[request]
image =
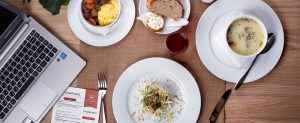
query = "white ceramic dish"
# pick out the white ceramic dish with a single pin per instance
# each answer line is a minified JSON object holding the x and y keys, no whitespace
{"x":167,"y":30}
{"x":98,"y":29}
{"x":158,"y":66}
{"x":117,"y":31}
{"x":244,"y":15}
{"x":264,"y":64}
{"x":218,"y":41}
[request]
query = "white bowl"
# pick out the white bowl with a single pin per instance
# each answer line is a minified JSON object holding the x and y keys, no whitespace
{"x":103,"y":30}
{"x":262,"y":26}
{"x":218,"y":38}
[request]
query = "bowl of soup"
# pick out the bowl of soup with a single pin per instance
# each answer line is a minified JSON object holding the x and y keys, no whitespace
{"x":246,"y":36}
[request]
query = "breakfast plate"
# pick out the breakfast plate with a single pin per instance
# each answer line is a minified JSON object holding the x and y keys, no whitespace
{"x":170,"y":78}
{"x":117,"y":31}
{"x":167,"y":30}
{"x":265,"y":63}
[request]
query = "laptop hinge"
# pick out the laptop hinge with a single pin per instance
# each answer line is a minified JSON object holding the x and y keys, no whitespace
{"x":13,"y":40}
{"x":27,"y":19}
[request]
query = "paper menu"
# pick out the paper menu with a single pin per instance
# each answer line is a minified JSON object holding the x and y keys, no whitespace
{"x":77,"y":106}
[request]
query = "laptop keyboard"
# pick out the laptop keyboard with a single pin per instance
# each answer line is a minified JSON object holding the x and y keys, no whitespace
{"x":25,"y":65}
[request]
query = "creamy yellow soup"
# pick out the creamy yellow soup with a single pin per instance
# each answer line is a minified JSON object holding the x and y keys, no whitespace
{"x":245,"y":36}
{"x":108,"y":12}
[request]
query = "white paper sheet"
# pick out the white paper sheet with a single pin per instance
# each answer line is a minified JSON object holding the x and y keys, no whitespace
{"x":77,"y":106}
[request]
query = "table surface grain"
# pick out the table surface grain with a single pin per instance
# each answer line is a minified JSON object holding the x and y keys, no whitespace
{"x":274,"y":98}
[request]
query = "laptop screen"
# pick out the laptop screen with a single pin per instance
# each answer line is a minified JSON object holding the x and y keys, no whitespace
{"x":7,"y":17}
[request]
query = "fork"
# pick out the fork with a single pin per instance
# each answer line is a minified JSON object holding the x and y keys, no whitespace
{"x":102,"y":85}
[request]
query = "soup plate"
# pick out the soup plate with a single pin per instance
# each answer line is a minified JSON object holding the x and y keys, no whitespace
{"x":218,"y":38}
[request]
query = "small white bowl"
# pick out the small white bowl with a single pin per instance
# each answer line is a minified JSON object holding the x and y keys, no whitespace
{"x":262,"y":26}
{"x":218,"y":38}
{"x":103,"y":30}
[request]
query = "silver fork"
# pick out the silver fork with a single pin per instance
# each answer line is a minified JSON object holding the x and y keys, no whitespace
{"x":102,"y":85}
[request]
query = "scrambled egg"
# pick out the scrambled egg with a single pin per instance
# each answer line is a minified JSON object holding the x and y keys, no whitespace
{"x":108,"y":12}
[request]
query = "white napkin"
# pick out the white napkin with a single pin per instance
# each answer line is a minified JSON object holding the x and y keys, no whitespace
{"x":240,"y":62}
{"x":228,"y":57}
{"x":169,"y":22}
{"x":208,"y":1}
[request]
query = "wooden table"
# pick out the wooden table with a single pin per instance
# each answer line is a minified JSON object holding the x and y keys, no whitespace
{"x":274,"y":98}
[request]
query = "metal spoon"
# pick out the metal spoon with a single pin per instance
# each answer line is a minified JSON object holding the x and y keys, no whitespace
{"x":221,"y":103}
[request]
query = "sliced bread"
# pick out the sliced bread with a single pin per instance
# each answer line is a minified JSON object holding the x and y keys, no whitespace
{"x":154,"y":22}
{"x":169,"y":8}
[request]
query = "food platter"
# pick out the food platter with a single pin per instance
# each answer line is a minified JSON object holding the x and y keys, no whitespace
{"x":161,"y":70}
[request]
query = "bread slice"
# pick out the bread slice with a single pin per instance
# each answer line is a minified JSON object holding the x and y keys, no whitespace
{"x":169,"y":8}
{"x":154,"y":22}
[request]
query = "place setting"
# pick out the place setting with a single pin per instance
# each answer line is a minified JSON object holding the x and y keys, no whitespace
{"x":222,"y":59}
{"x":235,"y":44}
{"x":164,"y":91}
{"x":238,"y":44}
{"x":237,"y":41}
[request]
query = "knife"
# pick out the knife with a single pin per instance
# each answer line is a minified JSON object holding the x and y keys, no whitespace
{"x":221,"y":103}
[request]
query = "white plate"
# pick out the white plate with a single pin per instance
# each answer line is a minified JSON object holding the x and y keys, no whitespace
{"x":265,"y":63}
{"x":122,"y":94}
{"x":167,"y":30}
{"x":122,"y":26}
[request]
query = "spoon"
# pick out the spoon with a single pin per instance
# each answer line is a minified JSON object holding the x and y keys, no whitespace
{"x":221,"y":103}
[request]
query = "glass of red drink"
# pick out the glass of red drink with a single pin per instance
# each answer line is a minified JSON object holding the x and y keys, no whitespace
{"x":177,"y":43}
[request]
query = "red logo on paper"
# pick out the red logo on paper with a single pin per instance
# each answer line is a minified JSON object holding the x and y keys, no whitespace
{"x":88,"y":118}
{"x":69,"y":99}
{"x":91,"y":98}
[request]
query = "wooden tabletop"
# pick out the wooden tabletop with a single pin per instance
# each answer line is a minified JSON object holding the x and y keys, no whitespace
{"x":274,"y":98}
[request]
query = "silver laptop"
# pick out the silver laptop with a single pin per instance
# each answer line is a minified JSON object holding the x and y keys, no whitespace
{"x":35,"y":67}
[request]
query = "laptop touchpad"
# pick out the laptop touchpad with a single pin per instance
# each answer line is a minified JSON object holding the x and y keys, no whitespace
{"x":37,"y":100}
